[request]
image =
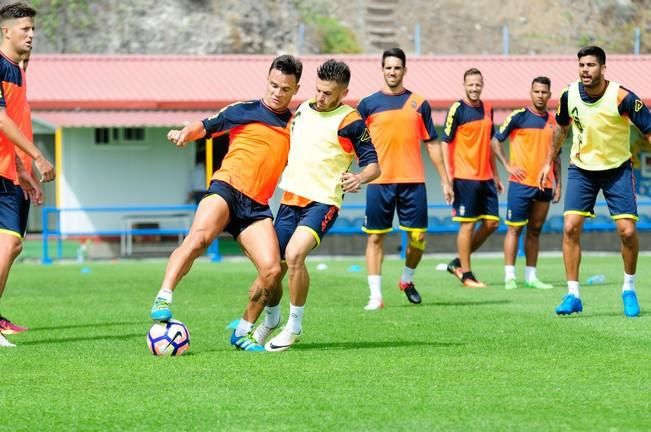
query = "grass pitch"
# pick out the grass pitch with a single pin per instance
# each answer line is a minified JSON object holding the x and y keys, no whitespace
{"x":463,"y":360}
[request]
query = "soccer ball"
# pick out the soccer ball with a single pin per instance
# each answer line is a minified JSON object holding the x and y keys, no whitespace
{"x":170,"y":338}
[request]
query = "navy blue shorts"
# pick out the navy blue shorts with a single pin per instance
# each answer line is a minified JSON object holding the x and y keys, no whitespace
{"x":382,"y":200}
{"x":617,"y":184}
{"x":244,"y":211}
{"x":316,"y":217}
{"x":9,"y":209}
{"x":520,"y":199}
{"x":23,"y":209}
{"x":474,"y":200}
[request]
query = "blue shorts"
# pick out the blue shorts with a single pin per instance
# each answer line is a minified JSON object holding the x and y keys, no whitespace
{"x":474,"y":200}
{"x":316,"y":217}
{"x":244,"y":211}
{"x":618,"y":187}
{"x":520,"y":199}
{"x":382,"y":200}
{"x":23,"y":209}
{"x":9,"y":209}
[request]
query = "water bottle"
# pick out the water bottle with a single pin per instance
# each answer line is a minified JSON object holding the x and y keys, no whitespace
{"x":596,"y":279}
{"x":81,"y":253}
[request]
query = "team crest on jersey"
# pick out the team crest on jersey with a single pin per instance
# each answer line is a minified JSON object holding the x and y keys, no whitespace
{"x":414,"y":104}
{"x":575,"y":117}
{"x":638,"y":105}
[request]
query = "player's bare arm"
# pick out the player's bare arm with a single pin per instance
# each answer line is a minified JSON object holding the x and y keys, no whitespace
{"x":560,"y":133}
{"x":557,"y":175}
{"x":517,"y":172}
{"x":444,"y":153}
{"x":189,"y":133}
{"x":435,"y":152}
{"x":11,"y":130}
{"x":496,"y":175}
{"x":352,"y":182}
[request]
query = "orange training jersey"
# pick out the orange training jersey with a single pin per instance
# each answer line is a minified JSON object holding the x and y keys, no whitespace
{"x":12,"y":100}
{"x":530,"y":137}
{"x":257,"y":150}
{"x":398,"y":124}
{"x":468,"y":132}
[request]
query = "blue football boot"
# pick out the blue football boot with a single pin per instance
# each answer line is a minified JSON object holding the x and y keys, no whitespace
{"x":570,"y":304}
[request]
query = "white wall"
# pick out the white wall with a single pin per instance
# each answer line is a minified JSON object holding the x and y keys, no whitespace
{"x":153,"y":172}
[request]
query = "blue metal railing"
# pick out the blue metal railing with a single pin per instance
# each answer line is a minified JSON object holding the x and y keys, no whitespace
{"x":344,"y":225}
{"x":213,"y":250}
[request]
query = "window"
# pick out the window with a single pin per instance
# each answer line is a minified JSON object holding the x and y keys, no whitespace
{"x":134,"y":134}
{"x":102,"y":136}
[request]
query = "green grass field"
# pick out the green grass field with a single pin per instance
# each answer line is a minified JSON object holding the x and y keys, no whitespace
{"x":465,"y":359}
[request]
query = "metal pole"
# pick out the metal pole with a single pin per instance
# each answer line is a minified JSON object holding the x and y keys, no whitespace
{"x":301,"y":38}
{"x":417,"y":48}
{"x":505,"y":39}
{"x":45,"y":259}
{"x":636,"y":41}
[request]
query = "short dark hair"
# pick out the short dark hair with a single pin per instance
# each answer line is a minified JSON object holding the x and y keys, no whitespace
{"x":595,"y":51}
{"x":288,"y":65}
{"x":542,"y":80}
{"x":333,"y":70}
{"x":395,"y":52}
{"x":472,"y":71}
{"x":16,"y":10}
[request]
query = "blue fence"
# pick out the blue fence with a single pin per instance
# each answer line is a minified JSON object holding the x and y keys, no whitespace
{"x":350,"y":221}
{"x":125,"y":225}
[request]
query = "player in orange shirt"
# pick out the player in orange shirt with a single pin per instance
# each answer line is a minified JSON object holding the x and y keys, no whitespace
{"x":399,"y":121}
{"x":17,"y":25}
{"x":471,"y":164}
{"x":529,"y":131}
{"x":237,"y":200}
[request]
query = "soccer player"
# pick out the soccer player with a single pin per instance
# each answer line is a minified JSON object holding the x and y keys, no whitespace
{"x":600,"y":112}
{"x":470,"y":162}
{"x":398,"y":121}
{"x":326,"y":136}
{"x":529,"y":131}
{"x":17,"y":25}
{"x":237,"y":200}
{"x":31,"y":190}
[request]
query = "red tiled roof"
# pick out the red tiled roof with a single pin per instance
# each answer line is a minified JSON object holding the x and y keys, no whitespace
{"x":120,"y":118}
{"x":206,"y":83}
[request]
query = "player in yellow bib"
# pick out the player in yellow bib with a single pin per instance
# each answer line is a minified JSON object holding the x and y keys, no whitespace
{"x":600,"y":112}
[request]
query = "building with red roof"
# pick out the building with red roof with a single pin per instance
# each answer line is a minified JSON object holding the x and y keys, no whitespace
{"x":111,"y":113}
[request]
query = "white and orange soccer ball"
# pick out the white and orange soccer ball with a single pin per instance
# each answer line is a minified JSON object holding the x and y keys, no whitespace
{"x":170,"y":338}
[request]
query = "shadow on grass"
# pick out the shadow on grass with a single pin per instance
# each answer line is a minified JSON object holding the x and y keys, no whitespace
{"x":610,"y":314}
{"x":82,"y":339}
{"x":74,"y":326}
{"x":338,"y":346}
{"x":369,"y":345}
{"x":458,"y":303}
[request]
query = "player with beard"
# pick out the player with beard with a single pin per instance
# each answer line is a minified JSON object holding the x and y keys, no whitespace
{"x":600,"y":112}
{"x":399,"y":121}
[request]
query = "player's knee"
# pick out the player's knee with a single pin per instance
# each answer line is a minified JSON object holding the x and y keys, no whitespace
{"x":16,"y":249}
{"x":375,"y":240}
{"x":197,"y":241}
{"x":627,"y":233}
{"x":491,"y":224}
{"x":417,"y":240}
{"x":271,"y":274}
{"x":294,"y":258}
{"x":570,"y":229}
{"x":534,"y":231}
